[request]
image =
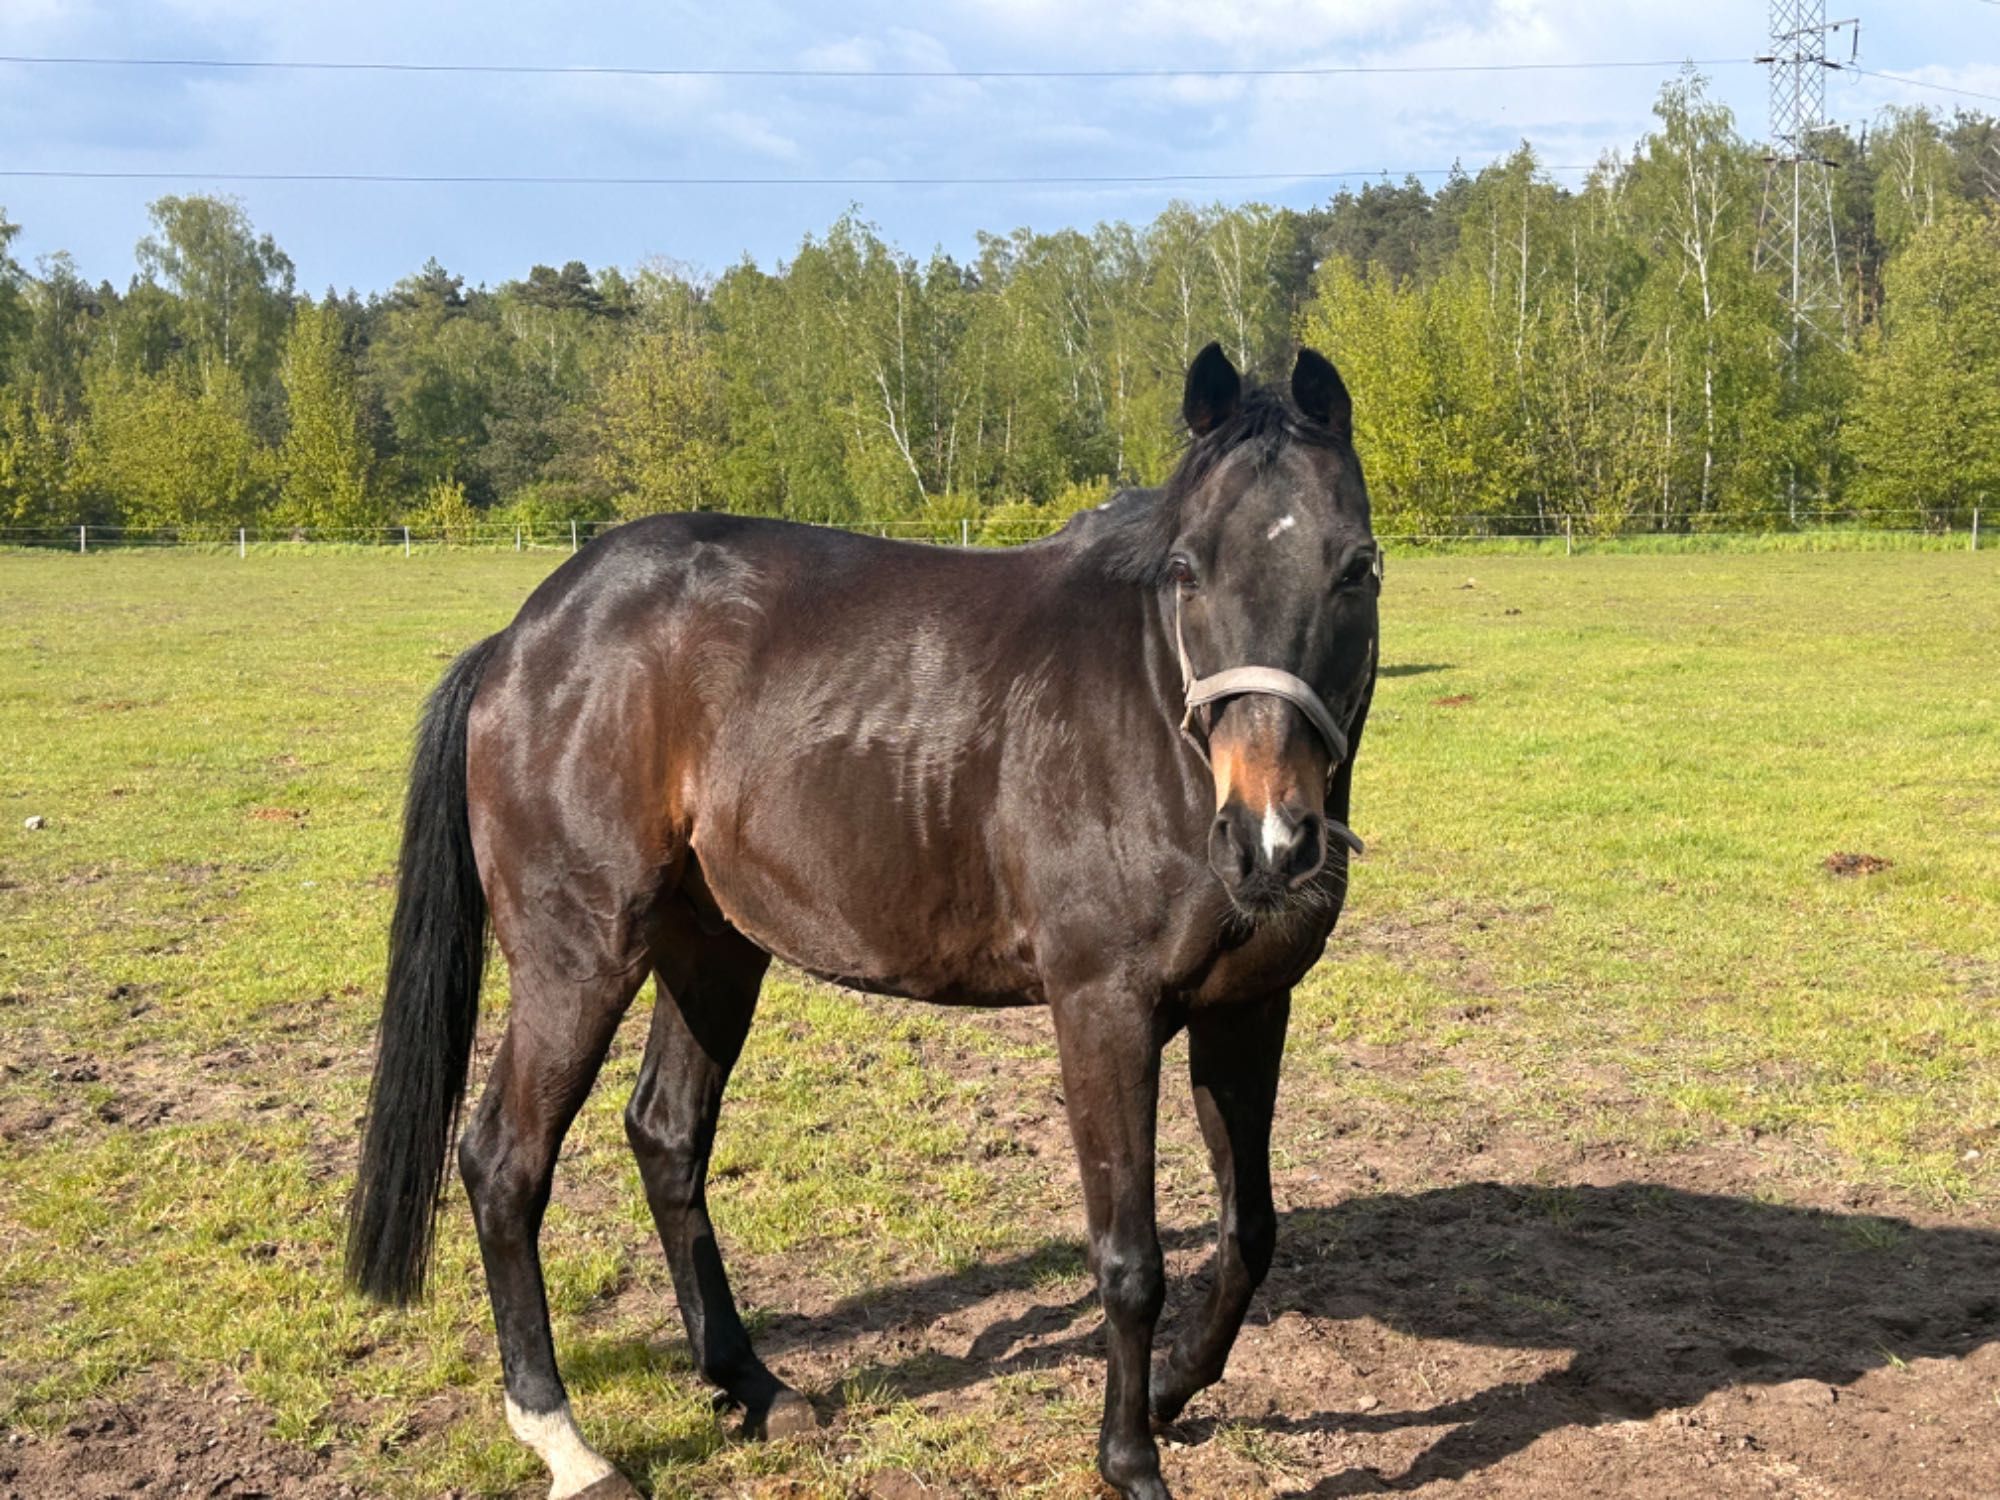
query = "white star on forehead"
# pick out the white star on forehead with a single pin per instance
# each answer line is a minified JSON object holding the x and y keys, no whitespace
{"x":1282,"y":524}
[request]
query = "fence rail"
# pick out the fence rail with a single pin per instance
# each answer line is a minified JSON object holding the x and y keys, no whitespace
{"x":1942,"y":526}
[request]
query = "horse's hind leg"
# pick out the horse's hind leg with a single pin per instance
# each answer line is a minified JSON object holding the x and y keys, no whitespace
{"x":1233,"y":1058}
{"x":708,"y":993}
{"x":557,"y":1034}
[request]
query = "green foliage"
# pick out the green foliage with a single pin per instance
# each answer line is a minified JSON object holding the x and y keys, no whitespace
{"x":13,"y":306}
{"x":445,"y":513}
{"x":544,"y":512}
{"x":40,"y":483}
{"x":175,"y":450}
{"x":1922,"y":436}
{"x":50,"y":355}
{"x":1431,"y":414}
{"x":660,"y":418}
{"x":1916,"y":179}
{"x":1078,"y":495}
{"x":323,"y":462}
{"x":949,"y":517}
{"x":1015,"y":521}
{"x":434,"y":362}
{"x":1711,"y":324}
{"x":232,"y":286}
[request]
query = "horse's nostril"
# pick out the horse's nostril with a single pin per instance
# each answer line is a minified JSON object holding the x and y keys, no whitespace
{"x":1231,"y":850}
{"x":1306,"y":854}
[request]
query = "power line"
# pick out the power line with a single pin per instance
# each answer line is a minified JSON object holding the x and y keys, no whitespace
{"x":1919,"y":83}
{"x":586,"y":70}
{"x":568,"y":180}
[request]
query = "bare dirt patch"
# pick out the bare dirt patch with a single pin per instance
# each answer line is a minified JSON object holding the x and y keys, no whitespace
{"x":48,"y":1087}
{"x":166,"y":1441}
{"x":1845,"y":863}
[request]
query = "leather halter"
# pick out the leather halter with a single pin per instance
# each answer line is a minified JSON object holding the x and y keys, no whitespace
{"x":1273,"y":682}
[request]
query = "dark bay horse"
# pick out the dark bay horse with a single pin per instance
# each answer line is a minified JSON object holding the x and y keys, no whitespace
{"x":1107,"y":773}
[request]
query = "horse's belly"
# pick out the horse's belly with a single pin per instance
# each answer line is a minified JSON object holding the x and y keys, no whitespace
{"x":891,"y":943}
{"x":840,"y":870}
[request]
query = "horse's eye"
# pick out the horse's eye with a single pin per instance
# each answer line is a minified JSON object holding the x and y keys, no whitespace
{"x":1181,"y":571}
{"x":1360,"y":568}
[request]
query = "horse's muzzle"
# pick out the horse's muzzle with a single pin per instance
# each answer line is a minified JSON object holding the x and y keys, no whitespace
{"x":1264,"y":858}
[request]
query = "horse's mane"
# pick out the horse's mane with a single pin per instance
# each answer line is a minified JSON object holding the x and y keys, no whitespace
{"x":1130,"y":534}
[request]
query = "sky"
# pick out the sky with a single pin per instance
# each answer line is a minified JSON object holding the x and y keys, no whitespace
{"x":369,"y":235}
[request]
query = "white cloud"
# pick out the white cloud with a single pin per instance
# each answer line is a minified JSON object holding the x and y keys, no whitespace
{"x":858,"y":54}
{"x":756,"y":134}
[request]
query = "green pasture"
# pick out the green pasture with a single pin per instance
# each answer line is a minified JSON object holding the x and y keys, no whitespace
{"x":1600,"y":793}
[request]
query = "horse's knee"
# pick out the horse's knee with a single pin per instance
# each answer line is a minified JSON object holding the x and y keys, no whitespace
{"x":1132,"y":1283}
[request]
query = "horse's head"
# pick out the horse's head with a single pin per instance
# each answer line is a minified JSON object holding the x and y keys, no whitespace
{"x":1272,"y":566}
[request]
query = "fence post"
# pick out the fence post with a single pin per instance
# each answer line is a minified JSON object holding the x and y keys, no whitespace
{"x":406,"y":541}
{"x":1569,"y":536}
{"x":517,"y":539}
{"x":82,"y":542}
{"x":572,"y":538}
{"x":242,"y":542}
{"x":964,"y":533}
{"x":1975,"y":528}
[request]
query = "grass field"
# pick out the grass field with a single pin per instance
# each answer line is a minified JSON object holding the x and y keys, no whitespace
{"x":1596,"y":940}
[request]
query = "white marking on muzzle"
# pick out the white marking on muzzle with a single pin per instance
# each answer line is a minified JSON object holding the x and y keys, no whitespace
{"x":1282,"y":524}
{"x":1276,"y":834}
{"x":574,"y":1466}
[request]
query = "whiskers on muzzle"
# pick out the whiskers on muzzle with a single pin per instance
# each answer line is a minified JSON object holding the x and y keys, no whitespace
{"x":1281,"y":867}
{"x":1269,"y":898}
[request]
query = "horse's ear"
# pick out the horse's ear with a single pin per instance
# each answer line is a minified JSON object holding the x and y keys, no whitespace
{"x":1213,"y":391}
{"x":1321,"y":394}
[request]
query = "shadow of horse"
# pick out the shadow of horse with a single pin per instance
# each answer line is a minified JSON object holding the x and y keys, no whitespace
{"x":1663,"y":1297}
{"x":1414,"y":668}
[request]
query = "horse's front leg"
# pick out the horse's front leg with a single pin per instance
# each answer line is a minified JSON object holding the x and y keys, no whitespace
{"x":1233,"y":1056}
{"x":1110,"y":1044}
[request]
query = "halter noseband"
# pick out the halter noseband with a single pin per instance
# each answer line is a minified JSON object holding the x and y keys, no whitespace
{"x":1273,"y":682}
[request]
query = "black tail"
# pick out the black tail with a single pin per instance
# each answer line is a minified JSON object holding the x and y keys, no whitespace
{"x":437,"y":951}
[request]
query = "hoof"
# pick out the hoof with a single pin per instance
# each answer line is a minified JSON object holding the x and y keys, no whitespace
{"x":611,"y":1487}
{"x":788,"y":1415}
{"x":1136,"y":1478}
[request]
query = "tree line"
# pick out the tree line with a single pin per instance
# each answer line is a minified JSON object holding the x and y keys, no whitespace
{"x":1522,"y":354}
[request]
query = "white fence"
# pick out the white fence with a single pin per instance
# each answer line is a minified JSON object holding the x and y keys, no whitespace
{"x":1938,"y":528}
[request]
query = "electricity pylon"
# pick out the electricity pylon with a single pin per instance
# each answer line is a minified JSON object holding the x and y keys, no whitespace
{"x":1796,"y":235}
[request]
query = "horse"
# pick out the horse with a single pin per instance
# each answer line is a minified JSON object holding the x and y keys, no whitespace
{"x":1108,"y":773}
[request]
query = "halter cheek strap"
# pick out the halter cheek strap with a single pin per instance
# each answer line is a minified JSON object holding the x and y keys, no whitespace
{"x":1273,"y":682}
